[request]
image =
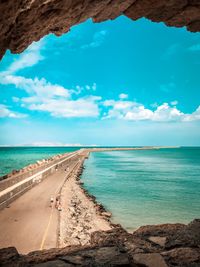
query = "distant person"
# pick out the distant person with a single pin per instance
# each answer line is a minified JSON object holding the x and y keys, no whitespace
{"x":59,"y":207}
{"x":57,"y":202}
{"x":51,"y":201}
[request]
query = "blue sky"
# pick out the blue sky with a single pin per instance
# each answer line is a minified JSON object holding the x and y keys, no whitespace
{"x":115,"y":83}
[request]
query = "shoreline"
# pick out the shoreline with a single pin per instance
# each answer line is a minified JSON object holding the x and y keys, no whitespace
{"x":82,"y":214}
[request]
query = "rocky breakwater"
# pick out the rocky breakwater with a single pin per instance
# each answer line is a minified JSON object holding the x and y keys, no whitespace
{"x":168,"y":245}
{"x":81,"y":215}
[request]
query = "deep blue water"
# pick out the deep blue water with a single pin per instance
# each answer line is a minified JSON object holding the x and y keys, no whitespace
{"x":147,"y":186}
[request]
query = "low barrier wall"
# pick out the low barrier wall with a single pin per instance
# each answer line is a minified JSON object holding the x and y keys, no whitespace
{"x":19,"y":177}
{"x":14,"y":191}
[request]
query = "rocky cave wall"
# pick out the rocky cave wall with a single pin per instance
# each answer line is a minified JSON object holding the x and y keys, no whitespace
{"x":25,"y":21}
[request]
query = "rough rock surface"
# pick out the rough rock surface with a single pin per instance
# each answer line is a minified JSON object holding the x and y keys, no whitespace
{"x":81,"y":215}
{"x":116,"y":247}
{"x":25,"y":21}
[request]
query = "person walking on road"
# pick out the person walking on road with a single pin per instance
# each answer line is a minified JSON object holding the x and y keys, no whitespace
{"x":57,"y":201}
{"x":51,"y":201}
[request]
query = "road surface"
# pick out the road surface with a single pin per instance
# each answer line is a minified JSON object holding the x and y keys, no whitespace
{"x":29,"y":223}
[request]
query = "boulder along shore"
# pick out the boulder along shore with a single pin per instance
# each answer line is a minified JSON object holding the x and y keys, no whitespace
{"x":81,"y":215}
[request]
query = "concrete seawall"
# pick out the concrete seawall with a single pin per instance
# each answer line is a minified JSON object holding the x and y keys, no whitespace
{"x":17,"y":186}
{"x":26,"y":172}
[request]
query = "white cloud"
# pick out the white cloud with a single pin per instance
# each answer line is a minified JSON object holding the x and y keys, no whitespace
{"x":97,"y":40}
{"x":92,"y":87}
{"x":27,"y":59}
{"x":59,"y":101}
{"x":166,"y":113}
{"x":50,"y":144}
{"x":39,"y":87}
{"x":133,"y":111}
{"x":123,"y":96}
{"x":45,"y":96}
{"x":53,"y":98}
{"x":5,"y":112}
{"x":138,"y":113}
{"x":154,"y":105}
{"x":83,"y":107}
{"x":194,"y":116}
{"x":174,"y":103}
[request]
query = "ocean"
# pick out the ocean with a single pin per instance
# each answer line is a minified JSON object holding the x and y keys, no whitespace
{"x":145,"y":187}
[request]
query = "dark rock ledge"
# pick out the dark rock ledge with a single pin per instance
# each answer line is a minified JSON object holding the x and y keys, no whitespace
{"x":172,"y":245}
{"x":25,"y":21}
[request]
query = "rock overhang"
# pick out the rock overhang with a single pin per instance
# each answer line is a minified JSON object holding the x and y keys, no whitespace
{"x":25,"y":21}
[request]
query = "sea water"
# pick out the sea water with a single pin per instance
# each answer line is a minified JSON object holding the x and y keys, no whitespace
{"x":19,"y":157}
{"x":144,"y":187}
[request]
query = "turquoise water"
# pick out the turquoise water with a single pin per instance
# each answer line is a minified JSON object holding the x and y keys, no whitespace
{"x":19,"y":157}
{"x":147,"y":186}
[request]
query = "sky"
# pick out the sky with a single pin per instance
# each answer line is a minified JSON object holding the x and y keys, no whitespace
{"x":118,"y":82}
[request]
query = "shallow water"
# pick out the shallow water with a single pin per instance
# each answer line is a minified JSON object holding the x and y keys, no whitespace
{"x":147,"y":186}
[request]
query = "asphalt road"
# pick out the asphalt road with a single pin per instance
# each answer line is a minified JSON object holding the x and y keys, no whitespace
{"x":29,"y":223}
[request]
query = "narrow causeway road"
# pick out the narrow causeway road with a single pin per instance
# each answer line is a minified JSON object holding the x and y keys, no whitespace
{"x":29,"y":223}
